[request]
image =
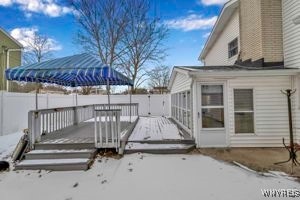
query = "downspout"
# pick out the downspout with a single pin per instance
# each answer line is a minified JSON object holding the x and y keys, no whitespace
{"x":7,"y":62}
{"x":3,"y":64}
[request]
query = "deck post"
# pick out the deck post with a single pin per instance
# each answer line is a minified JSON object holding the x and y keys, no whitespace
{"x":76,"y":117}
{"x":30,"y":129}
{"x":37,"y":126}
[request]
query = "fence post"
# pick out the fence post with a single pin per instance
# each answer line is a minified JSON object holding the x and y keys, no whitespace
{"x":118,"y":124}
{"x":47,"y":100}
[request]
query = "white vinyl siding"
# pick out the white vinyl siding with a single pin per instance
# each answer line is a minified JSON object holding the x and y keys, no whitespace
{"x":291,"y":33}
{"x":181,"y":83}
{"x":270,"y":111}
{"x":218,"y":54}
{"x":296,"y":108}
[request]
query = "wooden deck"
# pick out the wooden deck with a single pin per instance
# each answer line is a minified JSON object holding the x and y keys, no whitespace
{"x":73,"y":148}
{"x":158,"y":135}
{"x":82,"y":133}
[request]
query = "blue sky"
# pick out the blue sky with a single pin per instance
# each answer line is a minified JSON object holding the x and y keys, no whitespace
{"x":189,"y":21}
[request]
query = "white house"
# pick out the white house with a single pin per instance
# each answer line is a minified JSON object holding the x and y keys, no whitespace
{"x":235,"y":99}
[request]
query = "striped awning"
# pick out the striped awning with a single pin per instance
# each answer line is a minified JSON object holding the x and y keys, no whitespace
{"x":77,"y":70}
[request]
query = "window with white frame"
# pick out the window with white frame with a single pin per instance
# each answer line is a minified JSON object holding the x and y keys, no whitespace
{"x":243,"y":111}
{"x":212,"y":106}
{"x":233,"y":48}
{"x":181,"y":107}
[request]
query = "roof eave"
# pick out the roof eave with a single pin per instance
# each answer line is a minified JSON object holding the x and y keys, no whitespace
{"x":173,"y":75}
{"x":244,"y":73}
{"x":12,"y":38}
{"x":219,"y":22}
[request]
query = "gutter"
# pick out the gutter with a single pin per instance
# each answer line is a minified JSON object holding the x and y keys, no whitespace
{"x":244,"y":73}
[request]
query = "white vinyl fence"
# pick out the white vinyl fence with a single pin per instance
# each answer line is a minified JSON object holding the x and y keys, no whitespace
{"x":14,"y":107}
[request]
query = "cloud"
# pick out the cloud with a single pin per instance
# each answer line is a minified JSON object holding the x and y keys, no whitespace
{"x":205,"y":35}
{"x":5,"y":2}
{"x":213,"y":2}
{"x":25,"y":37}
{"x":47,"y":7}
{"x":191,"y":22}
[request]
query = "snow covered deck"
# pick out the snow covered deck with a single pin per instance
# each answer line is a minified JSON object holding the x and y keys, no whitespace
{"x":158,"y":135}
{"x":155,"y":129}
{"x":82,"y":133}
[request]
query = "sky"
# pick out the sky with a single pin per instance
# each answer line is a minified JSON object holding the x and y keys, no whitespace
{"x":189,"y":22}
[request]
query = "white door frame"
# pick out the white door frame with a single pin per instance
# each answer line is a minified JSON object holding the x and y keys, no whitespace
{"x":201,"y":130}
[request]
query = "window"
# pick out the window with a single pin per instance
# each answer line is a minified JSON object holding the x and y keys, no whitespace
{"x":212,"y":106}
{"x":243,"y":111}
{"x":181,"y":108}
{"x":233,"y":48}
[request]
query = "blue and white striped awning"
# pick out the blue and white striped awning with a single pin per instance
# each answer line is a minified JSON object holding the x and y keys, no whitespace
{"x":78,"y":70}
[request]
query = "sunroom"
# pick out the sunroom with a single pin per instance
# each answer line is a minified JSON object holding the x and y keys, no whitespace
{"x":233,"y":106}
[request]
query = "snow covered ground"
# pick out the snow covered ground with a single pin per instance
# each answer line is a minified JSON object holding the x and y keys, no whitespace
{"x":142,"y":176}
{"x":8,"y":144}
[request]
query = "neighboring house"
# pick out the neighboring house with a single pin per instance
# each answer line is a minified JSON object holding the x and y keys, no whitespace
{"x":235,"y":99}
{"x":10,"y":56}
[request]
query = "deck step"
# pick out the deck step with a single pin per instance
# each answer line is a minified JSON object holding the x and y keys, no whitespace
{"x":60,"y":154}
{"x":54,"y":164}
{"x":167,"y":141}
{"x":61,"y":146}
{"x":158,"y":148}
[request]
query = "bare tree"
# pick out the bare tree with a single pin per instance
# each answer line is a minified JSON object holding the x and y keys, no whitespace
{"x":38,"y":48}
{"x":143,"y":40}
{"x":102,"y":25}
{"x":86,"y":90}
{"x":159,"y":76}
{"x":121,"y":33}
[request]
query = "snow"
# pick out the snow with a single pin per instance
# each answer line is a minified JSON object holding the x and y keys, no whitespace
{"x":53,"y":161}
{"x":140,"y":176}
{"x":8,"y":144}
{"x":60,"y":151}
{"x":134,"y":145}
{"x":122,"y":119}
{"x":154,"y":128}
{"x":143,"y":176}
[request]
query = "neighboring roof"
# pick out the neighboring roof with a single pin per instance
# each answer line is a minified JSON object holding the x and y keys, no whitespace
{"x":225,"y":15}
{"x":78,"y":70}
{"x":230,"y":71}
{"x":12,"y":38}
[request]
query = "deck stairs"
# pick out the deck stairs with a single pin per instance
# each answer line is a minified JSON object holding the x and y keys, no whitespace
{"x":58,"y":157}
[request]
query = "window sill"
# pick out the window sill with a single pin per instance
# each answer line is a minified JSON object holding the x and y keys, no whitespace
{"x":213,"y":129}
{"x":245,"y":134}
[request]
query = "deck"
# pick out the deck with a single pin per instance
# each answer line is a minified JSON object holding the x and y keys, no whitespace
{"x":158,"y":135}
{"x":69,"y":138}
{"x":81,"y":133}
{"x":155,"y":133}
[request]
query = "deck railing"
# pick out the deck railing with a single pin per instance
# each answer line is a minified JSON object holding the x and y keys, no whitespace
{"x":47,"y":121}
{"x":108,"y":128}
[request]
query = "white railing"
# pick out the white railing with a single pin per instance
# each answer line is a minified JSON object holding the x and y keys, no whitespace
{"x":126,"y":109}
{"x":47,"y":121}
{"x":107,"y":128}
